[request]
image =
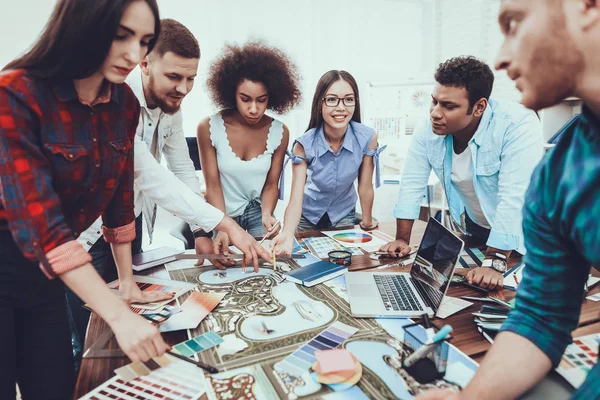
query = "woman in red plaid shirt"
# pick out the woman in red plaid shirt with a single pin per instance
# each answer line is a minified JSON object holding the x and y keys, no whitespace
{"x":67,"y":125}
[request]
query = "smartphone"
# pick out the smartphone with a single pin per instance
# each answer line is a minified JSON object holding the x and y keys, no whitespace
{"x":475,"y":287}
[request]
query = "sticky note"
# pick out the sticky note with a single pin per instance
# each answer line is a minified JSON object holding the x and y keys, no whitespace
{"x":334,"y":360}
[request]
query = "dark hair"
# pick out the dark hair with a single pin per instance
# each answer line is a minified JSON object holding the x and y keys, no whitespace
{"x":316,"y":118}
{"x":257,"y":62}
{"x":77,"y":39}
{"x":175,"y":37}
{"x":467,"y":72}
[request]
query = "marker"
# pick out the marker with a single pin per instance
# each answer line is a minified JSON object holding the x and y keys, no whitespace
{"x":424,"y":350}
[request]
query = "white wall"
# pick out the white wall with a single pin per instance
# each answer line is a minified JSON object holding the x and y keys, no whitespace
{"x":377,"y":40}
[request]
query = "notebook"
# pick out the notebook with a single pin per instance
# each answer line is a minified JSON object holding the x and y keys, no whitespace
{"x":315,"y":273}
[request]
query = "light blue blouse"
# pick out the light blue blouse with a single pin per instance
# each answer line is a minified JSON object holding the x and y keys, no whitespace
{"x":330,"y":176}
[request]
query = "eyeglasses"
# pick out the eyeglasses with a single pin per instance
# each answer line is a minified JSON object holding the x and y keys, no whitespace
{"x":332,"y":101}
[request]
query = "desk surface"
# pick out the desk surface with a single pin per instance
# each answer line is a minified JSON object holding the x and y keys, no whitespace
{"x":93,"y":372}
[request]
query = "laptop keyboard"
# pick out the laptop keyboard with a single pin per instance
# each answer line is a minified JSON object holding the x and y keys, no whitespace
{"x":396,"y":293}
{"x":432,"y":296}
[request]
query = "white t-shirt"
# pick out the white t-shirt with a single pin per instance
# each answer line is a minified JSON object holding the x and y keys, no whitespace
{"x":462,"y":179}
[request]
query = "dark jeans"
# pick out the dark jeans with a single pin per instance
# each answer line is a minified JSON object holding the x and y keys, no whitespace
{"x":478,"y":232}
{"x":103,"y":261}
{"x":35,"y":347}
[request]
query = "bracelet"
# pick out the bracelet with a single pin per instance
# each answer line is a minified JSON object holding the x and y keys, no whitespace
{"x":340,"y":257}
{"x":202,"y":233}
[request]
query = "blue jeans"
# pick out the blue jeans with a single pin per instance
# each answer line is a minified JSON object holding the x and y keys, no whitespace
{"x":103,"y":261}
{"x":251,"y":219}
{"x":35,"y":350}
{"x":325,"y":223}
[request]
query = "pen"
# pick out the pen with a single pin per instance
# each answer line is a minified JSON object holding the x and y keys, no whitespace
{"x":516,"y":280}
{"x":207,"y":368}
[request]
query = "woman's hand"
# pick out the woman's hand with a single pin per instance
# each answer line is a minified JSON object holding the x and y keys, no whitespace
{"x":271,"y":225}
{"x":138,"y":339}
{"x":283,"y":244}
{"x":131,"y":293}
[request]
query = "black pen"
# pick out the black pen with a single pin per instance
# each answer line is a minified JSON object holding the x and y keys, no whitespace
{"x":207,"y":368}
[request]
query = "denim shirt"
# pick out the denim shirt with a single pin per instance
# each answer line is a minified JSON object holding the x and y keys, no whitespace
{"x":505,"y":149}
{"x":330,"y":176}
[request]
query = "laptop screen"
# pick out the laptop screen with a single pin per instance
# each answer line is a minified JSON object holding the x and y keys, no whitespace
{"x":435,"y":261}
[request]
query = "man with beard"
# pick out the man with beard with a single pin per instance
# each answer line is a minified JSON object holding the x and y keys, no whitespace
{"x":163,"y":79}
{"x":551,"y":49}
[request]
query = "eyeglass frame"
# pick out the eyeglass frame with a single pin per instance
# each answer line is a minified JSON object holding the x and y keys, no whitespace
{"x":342,"y":99}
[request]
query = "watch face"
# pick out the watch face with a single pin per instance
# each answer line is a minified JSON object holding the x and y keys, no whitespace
{"x":499,"y":265}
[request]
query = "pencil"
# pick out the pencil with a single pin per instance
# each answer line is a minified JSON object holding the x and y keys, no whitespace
{"x":516,"y":280}
{"x":267,"y":234}
{"x":207,"y":368}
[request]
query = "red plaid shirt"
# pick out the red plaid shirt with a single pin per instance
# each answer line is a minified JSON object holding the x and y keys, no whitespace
{"x":63,"y":163}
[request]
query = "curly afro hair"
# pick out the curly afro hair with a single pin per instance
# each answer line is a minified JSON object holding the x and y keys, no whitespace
{"x":257,"y":62}
{"x":470,"y":73}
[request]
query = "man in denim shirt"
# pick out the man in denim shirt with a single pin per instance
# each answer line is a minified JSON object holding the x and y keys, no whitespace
{"x":483,"y":152}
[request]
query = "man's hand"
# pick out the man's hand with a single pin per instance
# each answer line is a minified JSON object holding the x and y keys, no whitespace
{"x":205,"y":245}
{"x":368,"y":225}
{"x":396,"y":249}
{"x":243,"y":241}
{"x":139,"y":340}
{"x":131,"y":293}
{"x":271,"y":226}
{"x":486,"y":277}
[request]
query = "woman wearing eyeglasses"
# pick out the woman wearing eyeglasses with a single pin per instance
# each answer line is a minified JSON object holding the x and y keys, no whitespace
{"x":241,"y":148}
{"x":335,"y":150}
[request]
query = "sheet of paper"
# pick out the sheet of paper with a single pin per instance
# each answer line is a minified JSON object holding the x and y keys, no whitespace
{"x":334,"y":360}
{"x":450,"y":306}
{"x":459,"y":374}
{"x":594,"y":297}
{"x":193,"y":310}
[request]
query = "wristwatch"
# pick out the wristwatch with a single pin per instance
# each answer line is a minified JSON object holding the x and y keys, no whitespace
{"x":498,"y":263}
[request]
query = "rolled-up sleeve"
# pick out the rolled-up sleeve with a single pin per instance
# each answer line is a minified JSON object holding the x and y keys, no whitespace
{"x":549,"y":297}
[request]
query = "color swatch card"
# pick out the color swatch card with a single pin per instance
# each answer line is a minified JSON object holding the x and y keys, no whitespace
{"x":148,"y":284}
{"x":199,"y":343}
{"x":354,"y":238}
{"x":302,"y":359}
{"x":579,"y":358}
{"x":193,"y":310}
{"x":179,"y":380}
{"x":136,"y":369}
{"x":321,"y":246}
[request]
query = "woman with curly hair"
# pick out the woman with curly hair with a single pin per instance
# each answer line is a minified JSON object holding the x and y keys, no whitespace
{"x":241,"y":148}
{"x":335,"y":150}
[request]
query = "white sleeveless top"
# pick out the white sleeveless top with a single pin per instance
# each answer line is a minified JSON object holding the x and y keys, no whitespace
{"x":242,"y":181}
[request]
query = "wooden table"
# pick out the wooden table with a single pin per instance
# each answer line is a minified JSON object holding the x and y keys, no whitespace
{"x":467,"y":338}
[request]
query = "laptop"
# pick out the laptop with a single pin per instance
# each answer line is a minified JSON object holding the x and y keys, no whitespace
{"x":403,"y":294}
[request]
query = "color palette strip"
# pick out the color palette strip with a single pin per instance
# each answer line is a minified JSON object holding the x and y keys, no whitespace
{"x":163,"y":315}
{"x":198,"y":344}
{"x":193,"y":310}
{"x":179,"y":380}
{"x":131,"y":371}
{"x":302,"y":359}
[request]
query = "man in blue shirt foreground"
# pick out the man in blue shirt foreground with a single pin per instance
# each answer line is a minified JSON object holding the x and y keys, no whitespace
{"x":483,"y":151}
{"x":551,"y":49}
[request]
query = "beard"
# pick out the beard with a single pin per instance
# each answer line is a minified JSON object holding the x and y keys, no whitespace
{"x":161,"y":102}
